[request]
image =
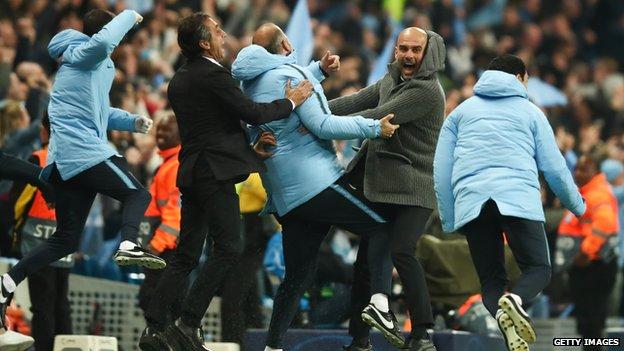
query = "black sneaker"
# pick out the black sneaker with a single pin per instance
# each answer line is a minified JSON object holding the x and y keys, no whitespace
{"x":153,"y":340}
{"x":511,"y":305}
{"x":353,"y":347}
{"x":187,"y":338}
{"x":419,"y":344}
{"x":386,"y":323}
{"x":139,"y":257}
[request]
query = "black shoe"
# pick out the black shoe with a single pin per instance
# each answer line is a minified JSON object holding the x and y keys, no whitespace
{"x":139,"y":257}
{"x":386,"y":323}
{"x":353,"y":347}
{"x":187,"y":338}
{"x":420,"y":345}
{"x":152,"y":340}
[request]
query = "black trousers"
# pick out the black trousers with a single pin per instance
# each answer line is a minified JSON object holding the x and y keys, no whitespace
{"x":304,"y":229}
{"x":48,"y":289}
{"x":152,"y":276}
{"x":590,"y":288}
{"x":528,"y":243}
{"x":74,"y":198}
{"x":208,"y":203}
{"x":407,"y":224}
{"x":240,"y":299}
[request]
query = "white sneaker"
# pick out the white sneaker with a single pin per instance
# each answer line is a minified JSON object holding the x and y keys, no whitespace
{"x":512,"y":305}
{"x":512,"y":340}
{"x":14,"y":341}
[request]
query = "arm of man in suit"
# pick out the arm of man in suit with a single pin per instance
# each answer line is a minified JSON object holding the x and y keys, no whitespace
{"x":443,"y":170}
{"x":102,"y":43}
{"x":231,"y":98}
{"x":362,"y":100}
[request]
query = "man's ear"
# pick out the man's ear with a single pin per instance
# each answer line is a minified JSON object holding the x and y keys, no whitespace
{"x":204,"y":44}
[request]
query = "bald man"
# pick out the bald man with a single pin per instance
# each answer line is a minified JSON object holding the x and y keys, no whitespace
{"x":397,"y":175}
{"x":306,"y":190}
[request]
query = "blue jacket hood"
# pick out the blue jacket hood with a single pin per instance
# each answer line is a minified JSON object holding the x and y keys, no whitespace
{"x":63,"y":40}
{"x":498,"y":84}
{"x":254,"y":60}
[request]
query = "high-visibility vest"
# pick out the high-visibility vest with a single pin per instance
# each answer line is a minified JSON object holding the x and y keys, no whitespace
{"x":595,"y":233}
{"x":39,"y":222}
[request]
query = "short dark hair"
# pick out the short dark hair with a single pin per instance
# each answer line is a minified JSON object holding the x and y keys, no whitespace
{"x":95,"y":20}
{"x":508,"y":63}
{"x":191,"y":30}
{"x":45,"y":121}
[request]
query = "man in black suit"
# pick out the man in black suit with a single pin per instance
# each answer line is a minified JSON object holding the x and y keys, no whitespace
{"x":215,"y":156}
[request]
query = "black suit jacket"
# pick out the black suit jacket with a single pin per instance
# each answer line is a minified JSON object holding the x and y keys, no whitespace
{"x":209,"y":106}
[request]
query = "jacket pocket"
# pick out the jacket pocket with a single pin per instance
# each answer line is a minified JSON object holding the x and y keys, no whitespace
{"x":394,"y":155}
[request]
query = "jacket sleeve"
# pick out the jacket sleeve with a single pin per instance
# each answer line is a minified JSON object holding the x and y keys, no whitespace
{"x":317,"y":118}
{"x":364,"y":99}
{"x":443,"y":171}
{"x":315,"y":68}
{"x":409,"y":105}
{"x":552,"y":164}
{"x":166,"y":235}
{"x":119,"y":119}
{"x":102,"y":43}
{"x":13,"y":168}
{"x":231,"y":98}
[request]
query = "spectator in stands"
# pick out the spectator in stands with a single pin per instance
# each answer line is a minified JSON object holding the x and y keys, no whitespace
{"x":594,"y":260}
{"x":48,"y":287}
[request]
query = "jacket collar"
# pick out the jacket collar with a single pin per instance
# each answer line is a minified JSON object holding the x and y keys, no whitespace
{"x":169,"y":153}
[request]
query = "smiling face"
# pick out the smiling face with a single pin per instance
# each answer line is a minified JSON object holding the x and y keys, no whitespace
{"x":410,"y":50}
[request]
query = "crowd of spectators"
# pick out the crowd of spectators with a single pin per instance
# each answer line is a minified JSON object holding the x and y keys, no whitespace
{"x":573,"y":50}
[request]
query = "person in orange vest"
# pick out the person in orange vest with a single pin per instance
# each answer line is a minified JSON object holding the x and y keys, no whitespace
{"x":48,"y":287}
{"x":588,"y":243}
{"x":160,"y":228}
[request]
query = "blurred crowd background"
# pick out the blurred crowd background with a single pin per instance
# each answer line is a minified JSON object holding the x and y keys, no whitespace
{"x":574,"y":50}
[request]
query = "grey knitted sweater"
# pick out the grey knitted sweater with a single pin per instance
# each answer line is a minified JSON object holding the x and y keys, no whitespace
{"x":400,"y":170}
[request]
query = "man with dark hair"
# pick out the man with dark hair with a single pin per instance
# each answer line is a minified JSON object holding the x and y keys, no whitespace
{"x":509,"y":64}
{"x":486,"y":180}
{"x":397,"y":175}
{"x":94,"y":20}
{"x":215,"y":155}
{"x":80,"y":161}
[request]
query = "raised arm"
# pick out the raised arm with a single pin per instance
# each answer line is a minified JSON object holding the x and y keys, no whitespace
{"x":552,"y":164}
{"x":364,"y":99}
{"x":102,"y":43}
{"x":443,"y":163}
{"x":119,"y":119}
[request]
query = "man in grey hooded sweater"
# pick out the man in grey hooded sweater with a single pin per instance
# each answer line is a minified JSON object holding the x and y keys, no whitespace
{"x":397,"y":174}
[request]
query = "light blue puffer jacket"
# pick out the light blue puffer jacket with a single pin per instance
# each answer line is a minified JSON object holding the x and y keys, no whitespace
{"x":303,"y":165}
{"x":491,"y":147}
{"x":79,"y":110}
